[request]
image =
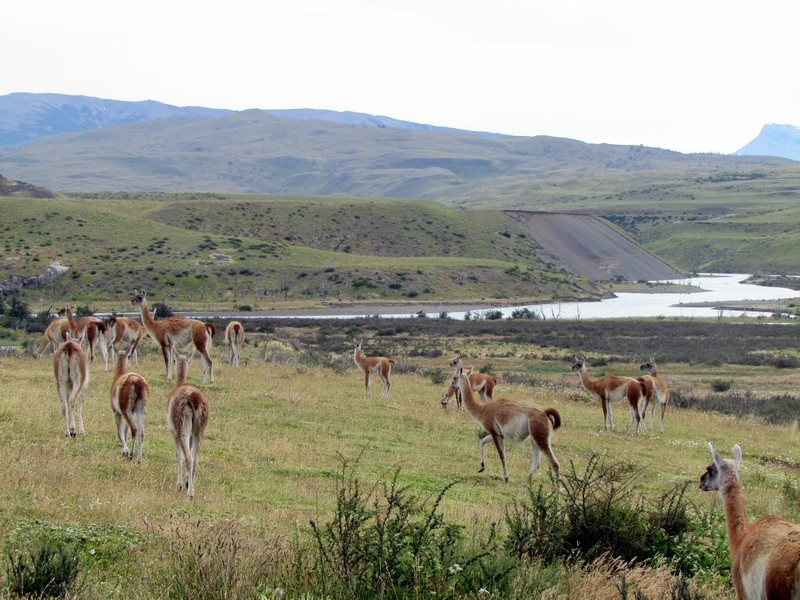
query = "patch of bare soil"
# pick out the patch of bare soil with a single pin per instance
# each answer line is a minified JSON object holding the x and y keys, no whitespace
{"x":589,"y":247}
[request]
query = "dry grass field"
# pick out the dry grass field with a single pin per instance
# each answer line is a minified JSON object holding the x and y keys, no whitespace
{"x":280,"y":431}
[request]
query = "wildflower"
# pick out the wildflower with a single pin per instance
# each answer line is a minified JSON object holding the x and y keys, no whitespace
{"x":456,"y":568}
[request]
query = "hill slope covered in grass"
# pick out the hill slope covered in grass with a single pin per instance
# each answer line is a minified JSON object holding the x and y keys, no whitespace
{"x":256,"y":152}
{"x":210,"y":251}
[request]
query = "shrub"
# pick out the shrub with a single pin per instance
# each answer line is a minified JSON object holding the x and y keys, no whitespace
{"x":386,"y":543}
{"x":162,"y":310}
{"x":525,"y":313}
{"x":721,"y":385}
{"x":599,"y":513}
{"x":785,"y":362}
{"x":47,"y":568}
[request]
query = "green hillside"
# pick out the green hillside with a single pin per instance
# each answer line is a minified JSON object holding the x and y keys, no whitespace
{"x":207,"y":251}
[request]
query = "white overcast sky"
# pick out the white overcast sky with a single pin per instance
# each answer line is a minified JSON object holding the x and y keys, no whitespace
{"x":686,"y":75}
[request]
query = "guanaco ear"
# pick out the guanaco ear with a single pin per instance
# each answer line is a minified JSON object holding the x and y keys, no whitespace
{"x":737,"y":455}
{"x":718,"y":460}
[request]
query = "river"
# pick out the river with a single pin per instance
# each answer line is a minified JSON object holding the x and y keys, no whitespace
{"x":711,"y":288}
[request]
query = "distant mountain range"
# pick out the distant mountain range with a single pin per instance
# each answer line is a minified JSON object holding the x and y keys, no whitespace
{"x":27,"y":117}
{"x":774,"y":140}
{"x":83,"y":144}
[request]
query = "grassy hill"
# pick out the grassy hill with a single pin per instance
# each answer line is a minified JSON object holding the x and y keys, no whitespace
{"x":207,"y":251}
{"x":255,"y":152}
{"x":695,"y":211}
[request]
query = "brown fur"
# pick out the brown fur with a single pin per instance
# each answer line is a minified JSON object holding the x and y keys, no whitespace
{"x":175,"y":333}
{"x":656,"y":389}
{"x":611,"y":388}
{"x":72,"y":378}
{"x":482,"y":383}
{"x":234,"y":338}
{"x":373,"y":364}
{"x":88,"y":329}
{"x":129,"y":396}
{"x":765,"y":555}
{"x":125,"y":329}
{"x":53,"y":336}
{"x":512,"y":420}
{"x":187,"y":417}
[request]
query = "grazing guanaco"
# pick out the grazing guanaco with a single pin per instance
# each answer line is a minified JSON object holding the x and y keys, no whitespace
{"x":612,"y":388}
{"x":234,"y":337}
{"x":482,"y":383}
{"x":72,"y":379}
{"x":88,"y":329}
{"x":511,"y":420}
{"x":369,"y":365}
{"x":656,"y":389}
{"x":765,"y":554}
{"x":187,"y":417}
{"x":53,"y":336}
{"x":175,"y":333}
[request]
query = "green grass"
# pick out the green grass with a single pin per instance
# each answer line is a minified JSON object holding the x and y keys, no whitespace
{"x":278,"y":433}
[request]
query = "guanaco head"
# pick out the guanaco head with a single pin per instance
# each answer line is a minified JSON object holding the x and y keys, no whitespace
{"x":456,"y":361}
{"x":578,"y":363}
{"x":649,"y":366}
{"x":721,"y":470}
{"x":357,"y":344}
{"x":448,"y":393}
{"x":139,"y":298}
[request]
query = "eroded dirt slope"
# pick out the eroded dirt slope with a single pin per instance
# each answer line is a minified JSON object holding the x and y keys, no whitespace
{"x":587,"y":246}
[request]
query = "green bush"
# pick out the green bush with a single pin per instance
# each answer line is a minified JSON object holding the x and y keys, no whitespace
{"x":386,"y":543}
{"x":47,"y":568}
{"x":598,"y":512}
{"x":721,"y":385}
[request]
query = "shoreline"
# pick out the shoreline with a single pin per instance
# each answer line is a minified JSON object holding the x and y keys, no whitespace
{"x":399,"y":307}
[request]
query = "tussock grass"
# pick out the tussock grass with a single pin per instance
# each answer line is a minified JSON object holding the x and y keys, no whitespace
{"x":277,"y":435}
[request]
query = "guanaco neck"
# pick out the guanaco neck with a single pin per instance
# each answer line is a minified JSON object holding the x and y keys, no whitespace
{"x":468,"y":397}
{"x":735,"y":512}
{"x":147,"y":318}
{"x":122,"y":366}
{"x":183,"y":368}
{"x":585,"y":379}
{"x":71,"y":319}
{"x":359,"y":357}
